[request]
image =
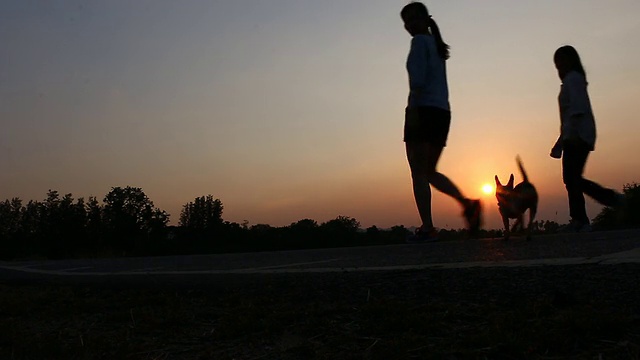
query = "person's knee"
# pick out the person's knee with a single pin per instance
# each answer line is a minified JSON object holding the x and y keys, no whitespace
{"x":573,"y":185}
{"x":422,"y":170}
{"x":431,"y":174}
{"x":571,"y":180}
{"x":419,"y":175}
{"x":427,"y":173}
{"x":570,"y":184}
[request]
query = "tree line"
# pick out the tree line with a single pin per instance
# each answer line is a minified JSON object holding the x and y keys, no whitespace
{"x":126,"y":223}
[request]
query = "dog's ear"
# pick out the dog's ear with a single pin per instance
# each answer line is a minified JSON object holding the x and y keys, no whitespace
{"x":510,"y":183}
{"x":498,"y":184}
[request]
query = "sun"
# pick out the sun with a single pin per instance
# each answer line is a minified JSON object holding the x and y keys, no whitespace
{"x":487,"y":189}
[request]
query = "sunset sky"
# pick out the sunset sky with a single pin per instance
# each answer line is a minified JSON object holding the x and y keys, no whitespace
{"x":293,"y":109}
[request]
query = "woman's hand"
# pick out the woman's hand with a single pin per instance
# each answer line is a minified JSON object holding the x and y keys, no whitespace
{"x":556,"y":150}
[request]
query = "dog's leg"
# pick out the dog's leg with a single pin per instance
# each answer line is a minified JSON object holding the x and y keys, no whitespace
{"x":517,"y":225}
{"x":532,"y":216}
{"x":505,"y":221}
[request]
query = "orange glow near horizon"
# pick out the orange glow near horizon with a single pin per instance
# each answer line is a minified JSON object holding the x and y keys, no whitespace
{"x":487,"y":189}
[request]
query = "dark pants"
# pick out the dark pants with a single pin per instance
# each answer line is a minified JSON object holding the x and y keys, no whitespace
{"x":574,"y":159}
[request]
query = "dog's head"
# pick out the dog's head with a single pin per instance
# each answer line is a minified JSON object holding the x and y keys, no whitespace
{"x":503,"y":191}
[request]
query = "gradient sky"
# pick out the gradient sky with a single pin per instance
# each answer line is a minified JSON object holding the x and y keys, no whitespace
{"x":293,"y":109}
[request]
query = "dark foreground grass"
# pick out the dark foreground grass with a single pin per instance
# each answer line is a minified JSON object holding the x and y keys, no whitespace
{"x":314,"y":318}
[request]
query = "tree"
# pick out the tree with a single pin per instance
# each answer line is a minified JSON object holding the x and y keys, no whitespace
{"x":60,"y":225}
{"x":94,"y":216}
{"x":10,"y":216}
{"x":304,"y":230}
{"x":342,"y":224}
{"x":304,"y":226}
{"x":71,"y":226}
{"x":10,"y":227}
{"x":130,"y":218}
{"x":264,"y":237}
{"x":30,"y":220}
{"x":400,"y":233}
{"x":203,"y":214}
{"x":341,"y":229}
{"x":304,"y":233}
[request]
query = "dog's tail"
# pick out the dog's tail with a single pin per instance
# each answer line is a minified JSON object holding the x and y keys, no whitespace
{"x":524,"y":173}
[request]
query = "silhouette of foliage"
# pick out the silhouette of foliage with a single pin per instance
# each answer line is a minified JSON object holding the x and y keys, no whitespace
{"x":11,"y":225}
{"x":626,"y":215}
{"x":95,"y":226}
{"x":62,"y":224}
{"x":340,"y":231}
{"x":304,"y":233}
{"x":61,"y":227}
{"x":131,"y":220}
{"x":127,"y":223}
{"x":204,"y":213}
{"x":54,"y":228}
{"x":201,"y":225}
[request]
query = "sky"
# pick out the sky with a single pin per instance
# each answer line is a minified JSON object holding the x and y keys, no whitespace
{"x":293,"y":109}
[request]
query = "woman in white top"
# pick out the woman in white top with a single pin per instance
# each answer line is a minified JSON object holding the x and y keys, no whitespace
{"x":427,"y":120}
{"x":577,"y":138}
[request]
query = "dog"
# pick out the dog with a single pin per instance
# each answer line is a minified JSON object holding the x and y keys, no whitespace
{"x":514,"y":201}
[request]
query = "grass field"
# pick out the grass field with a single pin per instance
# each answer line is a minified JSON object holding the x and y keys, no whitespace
{"x":477,"y":314}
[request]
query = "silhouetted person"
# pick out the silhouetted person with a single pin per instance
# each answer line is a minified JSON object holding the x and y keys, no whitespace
{"x":427,"y":120}
{"x":577,"y":138}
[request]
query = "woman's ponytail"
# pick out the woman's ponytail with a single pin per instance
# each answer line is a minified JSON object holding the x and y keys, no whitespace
{"x":443,"y":48}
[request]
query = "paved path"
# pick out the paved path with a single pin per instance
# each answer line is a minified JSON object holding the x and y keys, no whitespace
{"x":606,"y":248}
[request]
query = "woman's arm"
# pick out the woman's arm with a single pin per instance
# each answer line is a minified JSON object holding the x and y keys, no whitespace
{"x":417,"y":65}
{"x":579,"y":105}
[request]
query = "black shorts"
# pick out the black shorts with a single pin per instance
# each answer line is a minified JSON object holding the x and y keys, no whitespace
{"x":427,"y":124}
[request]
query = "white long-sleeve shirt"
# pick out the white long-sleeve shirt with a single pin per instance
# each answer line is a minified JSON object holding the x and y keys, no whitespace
{"x":427,"y":74}
{"x":576,"y":115}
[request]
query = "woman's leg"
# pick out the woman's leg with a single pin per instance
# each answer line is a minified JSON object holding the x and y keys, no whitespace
{"x":423,"y":158}
{"x":577,"y":159}
{"x":606,"y":197}
{"x":574,"y":159}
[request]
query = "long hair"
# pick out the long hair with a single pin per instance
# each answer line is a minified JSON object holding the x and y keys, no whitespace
{"x":420,"y":9}
{"x":570,"y":54}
